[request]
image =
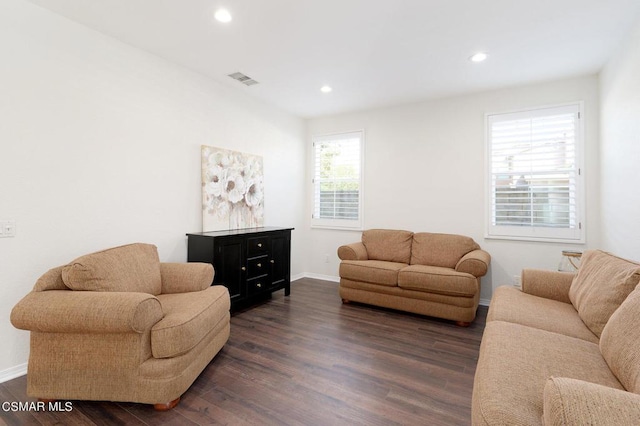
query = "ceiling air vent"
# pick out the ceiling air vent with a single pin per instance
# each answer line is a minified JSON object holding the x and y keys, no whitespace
{"x":244,"y":79}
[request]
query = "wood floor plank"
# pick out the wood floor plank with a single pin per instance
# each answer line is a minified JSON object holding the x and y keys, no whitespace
{"x":308,"y":359}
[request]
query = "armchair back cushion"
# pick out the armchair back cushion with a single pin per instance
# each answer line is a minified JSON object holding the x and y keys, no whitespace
{"x":620,"y":343}
{"x":387,"y":244}
{"x":129,"y":268}
{"x":602,"y":283}
{"x":444,"y":250}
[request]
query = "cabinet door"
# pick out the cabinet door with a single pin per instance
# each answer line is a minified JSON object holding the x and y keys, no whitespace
{"x":229,"y":266}
{"x":279,"y":259}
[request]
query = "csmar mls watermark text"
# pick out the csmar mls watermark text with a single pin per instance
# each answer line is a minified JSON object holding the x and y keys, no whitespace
{"x":15,"y":406}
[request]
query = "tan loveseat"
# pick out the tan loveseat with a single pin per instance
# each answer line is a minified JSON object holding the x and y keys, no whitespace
{"x":563,"y":351}
{"x":424,"y":273}
{"x":118,"y":325}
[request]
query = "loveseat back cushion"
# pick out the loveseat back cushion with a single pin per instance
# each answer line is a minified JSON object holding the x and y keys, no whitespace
{"x":133,"y":268}
{"x":602,"y":283}
{"x":388,"y":244}
{"x":444,"y":250}
{"x":620,"y":342}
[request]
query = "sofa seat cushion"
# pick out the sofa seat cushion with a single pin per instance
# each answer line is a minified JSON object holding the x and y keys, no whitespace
{"x":514,"y":365}
{"x":133,"y":267}
{"x":371,"y":271}
{"x":434,"y":279}
{"x":512,"y":305}
{"x":188,"y":318}
{"x":388,"y":244}
{"x":443,"y":250}
{"x":602,"y":283}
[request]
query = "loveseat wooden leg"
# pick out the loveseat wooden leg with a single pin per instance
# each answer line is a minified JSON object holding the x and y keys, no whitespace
{"x":463,"y":324}
{"x":345,"y":301}
{"x":166,"y":406}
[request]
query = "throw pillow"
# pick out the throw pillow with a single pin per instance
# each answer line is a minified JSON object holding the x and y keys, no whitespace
{"x":133,"y":268}
{"x":602,"y":283}
{"x":620,"y":342}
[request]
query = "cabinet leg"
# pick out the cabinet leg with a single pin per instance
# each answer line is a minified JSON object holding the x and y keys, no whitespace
{"x":287,"y":290}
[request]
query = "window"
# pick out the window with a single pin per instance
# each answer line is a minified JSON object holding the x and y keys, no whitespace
{"x":337,"y":180}
{"x":535,"y":177}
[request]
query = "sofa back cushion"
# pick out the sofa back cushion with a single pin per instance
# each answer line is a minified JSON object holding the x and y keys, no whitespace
{"x":388,"y":244}
{"x":602,"y":283}
{"x":134,"y":268}
{"x":620,"y":342}
{"x":444,"y":250}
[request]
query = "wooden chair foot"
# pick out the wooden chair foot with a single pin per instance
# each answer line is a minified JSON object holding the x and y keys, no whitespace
{"x":463,"y":324}
{"x":166,"y":406}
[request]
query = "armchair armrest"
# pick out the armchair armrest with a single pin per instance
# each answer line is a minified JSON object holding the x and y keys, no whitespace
{"x":67,"y":311}
{"x":185,"y":277}
{"x":475,"y":262}
{"x":548,"y":284}
{"x":354,"y":251}
{"x":575,"y":402}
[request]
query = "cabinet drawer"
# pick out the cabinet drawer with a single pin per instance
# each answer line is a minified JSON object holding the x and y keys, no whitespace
{"x":257,"y":266}
{"x":257,"y":285}
{"x":257,"y":246}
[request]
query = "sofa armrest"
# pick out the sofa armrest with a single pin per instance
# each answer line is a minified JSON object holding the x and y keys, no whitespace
{"x":67,"y":311}
{"x":548,"y":284}
{"x":475,"y":262}
{"x":354,"y":251}
{"x":185,"y":277}
{"x":576,"y":402}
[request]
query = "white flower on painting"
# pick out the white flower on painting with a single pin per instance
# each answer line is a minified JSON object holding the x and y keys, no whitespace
{"x":215,"y":181}
{"x":254,"y":193}
{"x":235,"y":187}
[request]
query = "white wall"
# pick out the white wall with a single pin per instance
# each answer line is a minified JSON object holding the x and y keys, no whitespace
{"x":100,"y":146}
{"x":620,"y":150}
{"x":424,"y":171}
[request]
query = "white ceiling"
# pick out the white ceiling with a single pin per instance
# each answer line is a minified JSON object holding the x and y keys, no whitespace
{"x":372,"y":52}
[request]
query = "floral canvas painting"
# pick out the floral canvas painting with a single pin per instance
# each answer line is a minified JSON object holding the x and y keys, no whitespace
{"x":232,"y":190}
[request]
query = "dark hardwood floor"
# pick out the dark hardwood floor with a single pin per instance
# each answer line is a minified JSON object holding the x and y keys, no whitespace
{"x":308,"y":359}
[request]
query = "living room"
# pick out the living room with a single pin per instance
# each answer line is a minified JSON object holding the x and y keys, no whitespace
{"x":101,"y":147}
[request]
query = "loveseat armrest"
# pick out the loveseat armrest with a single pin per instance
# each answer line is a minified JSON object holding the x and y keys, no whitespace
{"x":185,"y":277}
{"x":548,"y":284}
{"x":576,"y":402}
{"x":353,"y":251}
{"x":67,"y":311}
{"x":476,"y":263}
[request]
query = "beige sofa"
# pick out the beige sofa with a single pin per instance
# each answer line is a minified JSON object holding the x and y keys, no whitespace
{"x":118,"y":325}
{"x":424,"y":273}
{"x":563,"y":351}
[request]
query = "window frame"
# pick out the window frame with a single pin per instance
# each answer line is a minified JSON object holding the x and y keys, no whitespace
{"x":531,"y":233}
{"x":339,"y":224}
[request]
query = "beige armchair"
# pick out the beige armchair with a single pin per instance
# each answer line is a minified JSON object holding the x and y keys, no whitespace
{"x":118,"y":325}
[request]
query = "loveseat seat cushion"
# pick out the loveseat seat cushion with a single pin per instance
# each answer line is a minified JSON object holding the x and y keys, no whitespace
{"x":443,"y":250}
{"x":388,"y":244}
{"x":132,"y":267}
{"x":602,"y":283}
{"x":371,"y":271}
{"x":620,"y":342}
{"x":512,"y":305}
{"x":438,"y":280}
{"x":516,"y":361}
{"x":188,"y":318}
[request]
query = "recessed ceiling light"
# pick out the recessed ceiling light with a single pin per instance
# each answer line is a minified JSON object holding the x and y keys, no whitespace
{"x":326,"y":89}
{"x":222,"y":15}
{"x":478,"y":57}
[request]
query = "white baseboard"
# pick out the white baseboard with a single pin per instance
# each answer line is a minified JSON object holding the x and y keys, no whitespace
{"x":13,"y":372}
{"x":317,"y":277}
{"x":484,"y":302}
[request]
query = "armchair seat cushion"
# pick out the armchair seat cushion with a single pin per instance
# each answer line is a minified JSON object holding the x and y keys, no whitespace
{"x":371,"y":271}
{"x":188,"y":318}
{"x":434,"y":279}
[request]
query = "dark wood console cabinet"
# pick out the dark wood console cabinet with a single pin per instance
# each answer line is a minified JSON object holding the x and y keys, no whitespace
{"x":249,"y":262}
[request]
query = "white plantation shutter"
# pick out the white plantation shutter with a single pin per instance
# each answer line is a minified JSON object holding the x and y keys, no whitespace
{"x":337,"y":180}
{"x":535,"y":174}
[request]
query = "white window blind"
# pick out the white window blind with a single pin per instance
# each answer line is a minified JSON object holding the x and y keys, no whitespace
{"x":535,"y":174}
{"x":337,"y":180}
